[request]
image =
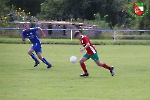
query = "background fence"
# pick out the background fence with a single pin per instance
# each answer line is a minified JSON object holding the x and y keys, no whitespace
{"x":92,"y":33}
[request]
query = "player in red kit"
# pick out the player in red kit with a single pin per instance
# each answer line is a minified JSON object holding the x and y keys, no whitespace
{"x":91,"y":53}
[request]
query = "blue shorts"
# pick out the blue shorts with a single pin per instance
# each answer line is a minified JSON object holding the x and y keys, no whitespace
{"x":37,"y":48}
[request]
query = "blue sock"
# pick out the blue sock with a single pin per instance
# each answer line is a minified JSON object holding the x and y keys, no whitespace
{"x":34,"y":58}
{"x":46,"y":62}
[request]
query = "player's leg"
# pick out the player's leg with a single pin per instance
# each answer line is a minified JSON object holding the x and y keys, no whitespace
{"x":39,"y":54}
{"x":95,"y":57}
{"x":30,"y":52}
{"x":83,"y":66}
{"x":38,"y":51}
{"x":104,"y":65}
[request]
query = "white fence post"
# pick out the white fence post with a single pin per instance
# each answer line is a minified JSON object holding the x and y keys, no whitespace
{"x":71,"y":35}
{"x":114,"y":35}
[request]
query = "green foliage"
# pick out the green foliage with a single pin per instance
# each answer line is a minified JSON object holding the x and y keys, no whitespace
{"x":11,"y":13}
{"x":32,"y":6}
{"x":113,"y":14}
{"x":20,"y":15}
{"x":76,"y":42}
{"x":99,"y":21}
{"x":4,"y":9}
{"x":84,"y":9}
{"x":113,"y":10}
{"x":52,"y":9}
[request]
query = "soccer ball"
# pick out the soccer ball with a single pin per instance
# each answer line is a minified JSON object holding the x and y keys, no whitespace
{"x":73,"y":59}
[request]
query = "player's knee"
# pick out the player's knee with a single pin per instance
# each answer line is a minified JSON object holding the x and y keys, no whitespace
{"x":99,"y":64}
{"x":80,"y":61}
{"x":29,"y":52}
{"x":40,"y":57}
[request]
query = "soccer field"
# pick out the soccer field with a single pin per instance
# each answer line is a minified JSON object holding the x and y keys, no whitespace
{"x":19,"y":80}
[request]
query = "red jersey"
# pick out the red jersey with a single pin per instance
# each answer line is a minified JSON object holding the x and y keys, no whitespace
{"x":91,"y":49}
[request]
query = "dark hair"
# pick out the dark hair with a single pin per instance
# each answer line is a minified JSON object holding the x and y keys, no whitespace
{"x":76,"y":33}
{"x":23,"y":24}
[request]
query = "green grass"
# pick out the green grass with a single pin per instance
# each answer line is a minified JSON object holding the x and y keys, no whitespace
{"x":19,"y":80}
{"x":76,"y":42}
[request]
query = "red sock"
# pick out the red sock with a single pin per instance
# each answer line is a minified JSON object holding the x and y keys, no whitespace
{"x":106,"y":66}
{"x":83,"y":67}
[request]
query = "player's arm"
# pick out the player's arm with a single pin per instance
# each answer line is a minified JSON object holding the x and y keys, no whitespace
{"x":87,"y":44}
{"x":41,"y":31}
{"x":23,"y":39}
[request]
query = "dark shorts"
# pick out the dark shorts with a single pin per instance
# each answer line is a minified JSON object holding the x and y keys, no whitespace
{"x":94,"y":56}
{"x":37,"y":48}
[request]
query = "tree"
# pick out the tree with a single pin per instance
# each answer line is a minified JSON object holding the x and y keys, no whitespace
{"x":32,"y":6}
{"x":4,"y":9}
{"x":67,"y":9}
{"x":10,"y":13}
{"x":52,"y":9}
{"x":84,"y":9}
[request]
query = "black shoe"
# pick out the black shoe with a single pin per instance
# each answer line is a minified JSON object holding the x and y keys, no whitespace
{"x":49,"y":66}
{"x":84,"y":75}
{"x":112,"y":71}
{"x":36,"y":64}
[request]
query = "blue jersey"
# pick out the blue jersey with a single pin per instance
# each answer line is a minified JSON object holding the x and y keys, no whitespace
{"x":31,"y":35}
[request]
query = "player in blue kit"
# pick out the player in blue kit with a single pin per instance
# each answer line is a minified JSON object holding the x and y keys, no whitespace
{"x":31,"y":34}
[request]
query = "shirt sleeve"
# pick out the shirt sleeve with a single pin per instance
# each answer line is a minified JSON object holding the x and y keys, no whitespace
{"x":35,"y":29}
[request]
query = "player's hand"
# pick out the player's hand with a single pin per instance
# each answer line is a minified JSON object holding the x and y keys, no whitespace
{"x":81,"y":49}
{"x":44,"y":36}
{"x":24,"y":42}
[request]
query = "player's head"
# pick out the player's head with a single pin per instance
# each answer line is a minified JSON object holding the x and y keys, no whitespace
{"x":77,"y":34}
{"x":25,"y":25}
